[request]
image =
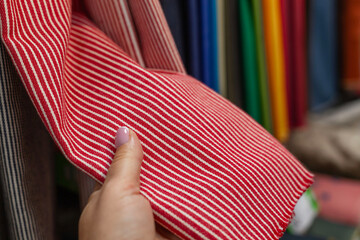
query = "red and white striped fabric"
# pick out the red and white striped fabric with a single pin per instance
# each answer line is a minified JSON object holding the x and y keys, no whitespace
{"x":209,"y":170}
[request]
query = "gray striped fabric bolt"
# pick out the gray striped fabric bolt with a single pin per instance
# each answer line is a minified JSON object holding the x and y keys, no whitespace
{"x":25,"y":161}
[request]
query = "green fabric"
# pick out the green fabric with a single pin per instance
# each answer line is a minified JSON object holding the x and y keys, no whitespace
{"x":309,"y":193}
{"x":250,"y":71}
{"x":261,"y":66}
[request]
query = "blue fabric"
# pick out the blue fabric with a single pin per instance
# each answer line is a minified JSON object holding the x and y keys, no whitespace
{"x":322,"y":53}
{"x":215,"y":84}
{"x":209,"y":44}
{"x":193,"y":39}
{"x":175,"y":17}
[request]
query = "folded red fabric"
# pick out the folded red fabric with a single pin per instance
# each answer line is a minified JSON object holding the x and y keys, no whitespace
{"x":209,"y":170}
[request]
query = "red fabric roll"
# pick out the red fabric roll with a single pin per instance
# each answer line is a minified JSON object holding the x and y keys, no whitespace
{"x":294,"y":35}
{"x":299,"y":88}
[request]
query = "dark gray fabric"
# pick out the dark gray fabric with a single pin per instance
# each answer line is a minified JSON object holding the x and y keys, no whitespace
{"x":86,"y":187}
{"x":233,"y":52}
{"x":3,"y":224}
{"x":26,"y":169}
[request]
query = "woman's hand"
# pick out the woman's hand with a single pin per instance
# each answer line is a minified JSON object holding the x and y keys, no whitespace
{"x":117,"y":210}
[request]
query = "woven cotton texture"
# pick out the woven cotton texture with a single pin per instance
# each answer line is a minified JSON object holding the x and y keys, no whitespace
{"x":209,"y":170}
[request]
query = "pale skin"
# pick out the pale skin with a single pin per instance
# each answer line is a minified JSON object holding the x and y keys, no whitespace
{"x":117,"y":210}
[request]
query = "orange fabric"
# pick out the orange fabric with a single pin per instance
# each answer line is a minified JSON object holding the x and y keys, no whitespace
{"x":351,"y":45}
{"x":276,"y":67}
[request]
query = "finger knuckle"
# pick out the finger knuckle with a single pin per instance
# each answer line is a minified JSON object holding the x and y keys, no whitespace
{"x":124,"y":187}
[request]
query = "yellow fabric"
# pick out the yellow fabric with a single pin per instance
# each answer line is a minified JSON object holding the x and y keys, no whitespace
{"x":276,"y":67}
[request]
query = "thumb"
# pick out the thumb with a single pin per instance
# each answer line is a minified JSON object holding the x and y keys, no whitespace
{"x":125,"y":168}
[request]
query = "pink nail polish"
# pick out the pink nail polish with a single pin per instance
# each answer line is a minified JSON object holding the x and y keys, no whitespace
{"x":122,"y":136}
